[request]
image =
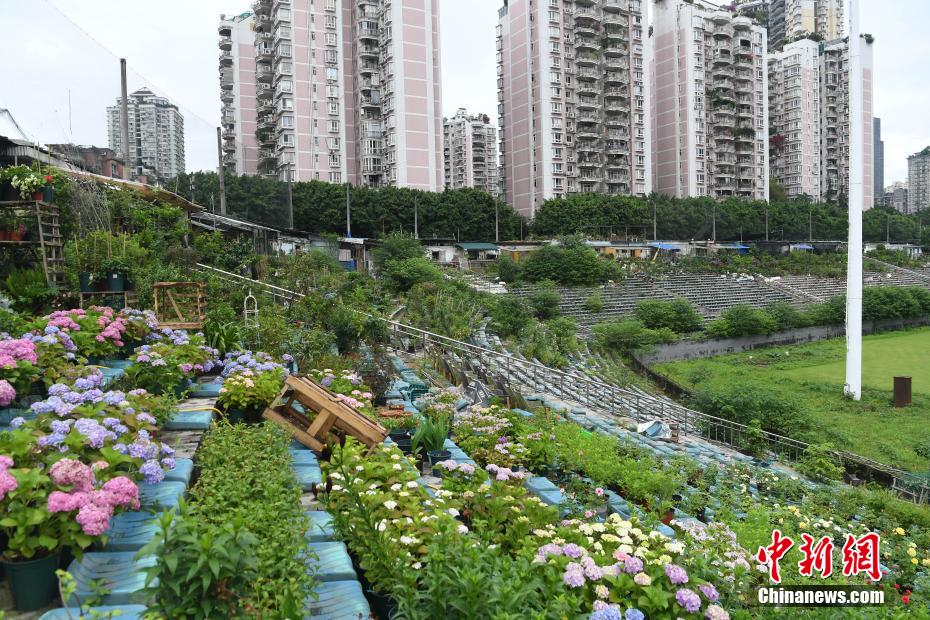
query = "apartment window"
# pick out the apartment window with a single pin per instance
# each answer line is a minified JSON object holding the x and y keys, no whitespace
{"x":335,"y":177}
{"x":555,"y":77}
{"x":554,"y":31}
{"x":284,"y":50}
{"x":556,"y":168}
{"x":700,"y":177}
{"x":332,"y":74}
{"x":556,"y":123}
{"x":553,"y":16}
{"x":287,"y":139}
{"x":557,"y":183}
{"x":557,"y":137}
{"x":333,"y":107}
{"x":284,"y":14}
{"x":335,"y":160}
{"x":556,"y":91}
{"x":287,"y":122}
{"x":330,"y":5}
{"x":333,"y":126}
{"x":700,"y":152}
{"x":557,"y":153}
{"x":287,"y":103}
{"x":331,"y":56}
{"x":556,"y":107}
{"x":284,"y":67}
{"x":555,"y":47}
{"x":330,"y":38}
{"x":285,"y":86}
{"x":640,"y":160}
{"x":329,"y":21}
{"x":332,"y":91}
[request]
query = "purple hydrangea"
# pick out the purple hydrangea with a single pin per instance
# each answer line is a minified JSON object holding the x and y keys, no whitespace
{"x":58,"y":389}
{"x":55,"y":439}
{"x":84,"y":384}
{"x":145,"y":417}
{"x":632,"y":565}
{"x":676,"y":574}
{"x":574,"y":575}
{"x":709,"y":592}
{"x":121,"y":448}
{"x":114,"y":398}
{"x":167,"y":450}
{"x":17,"y":421}
{"x":688,"y":599}
{"x":43,"y":406}
{"x":168,"y":462}
{"x":606,"y":613}
{"x":633,"y":614}
{"x":152,"y":472}
{"x":572,"y":550}
{"x":95,"y":433}
{"x":62,"y":427}
{"x":110,"y":422}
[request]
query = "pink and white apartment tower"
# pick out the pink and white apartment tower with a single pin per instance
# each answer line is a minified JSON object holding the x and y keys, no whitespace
{"x":334,"y":90}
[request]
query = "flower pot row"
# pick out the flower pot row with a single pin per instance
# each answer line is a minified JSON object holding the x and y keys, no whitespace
{"x":114,"y":282}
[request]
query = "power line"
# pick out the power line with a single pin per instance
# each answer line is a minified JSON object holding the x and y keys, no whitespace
{"x":147,"y":81}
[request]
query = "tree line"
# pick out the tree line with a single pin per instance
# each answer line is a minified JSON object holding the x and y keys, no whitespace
{"x":469,"y":214}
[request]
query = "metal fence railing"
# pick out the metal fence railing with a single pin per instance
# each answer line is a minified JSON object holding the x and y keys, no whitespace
{"x":616,"y":400}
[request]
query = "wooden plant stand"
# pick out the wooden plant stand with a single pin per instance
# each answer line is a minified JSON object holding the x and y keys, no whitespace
{"x":334,"y":418}
{"x":179,"y":305}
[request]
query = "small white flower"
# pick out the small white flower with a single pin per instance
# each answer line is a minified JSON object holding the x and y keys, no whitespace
{"x":453,"y":512}
{"x":397,"y":467}
{"x":417,"y":566}
{"x":396,"y":487}
{"x":412,"y":484}
{"x":462,"y":529}
{"x":390,"y":504}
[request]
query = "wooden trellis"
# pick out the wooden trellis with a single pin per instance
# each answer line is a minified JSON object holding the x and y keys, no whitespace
{"x":179,"y":305}
{"x":334,"y":418}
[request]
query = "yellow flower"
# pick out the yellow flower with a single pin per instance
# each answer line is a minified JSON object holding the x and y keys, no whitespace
{"x":913,"y":560}
{"x":911,"y":551}
{"x":899,"y":531}
{"x":925,"y":561}
{"x":802,"y":525}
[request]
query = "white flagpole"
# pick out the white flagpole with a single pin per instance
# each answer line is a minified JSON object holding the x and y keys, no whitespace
{"x":853,"y":387}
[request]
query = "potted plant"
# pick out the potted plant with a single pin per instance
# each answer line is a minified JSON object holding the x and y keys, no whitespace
{"x":116,"y":267}
{"x":18,"y":232}
{"x":246,"y":394}
{"x":29,"y":184}
{"x":400,"y":430}
{"x":430,"y":438}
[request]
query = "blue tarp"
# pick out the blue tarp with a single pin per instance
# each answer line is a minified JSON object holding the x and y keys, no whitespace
{"x":665,"y":246}
{"x":802,"y":246}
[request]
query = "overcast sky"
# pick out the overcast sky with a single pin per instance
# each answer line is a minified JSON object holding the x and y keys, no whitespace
{"x":61,"y":50}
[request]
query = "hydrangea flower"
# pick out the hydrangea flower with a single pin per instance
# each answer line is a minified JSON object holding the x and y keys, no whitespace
{"x":709,"y":592}
{"x":676,"y":574}
{"x":688,"y":599}
{"x":152,"y":472}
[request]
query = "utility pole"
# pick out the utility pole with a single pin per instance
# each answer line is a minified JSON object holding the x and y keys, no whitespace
{"x":221,"y":170}
{"x":124,"y":119}
{"x":497,"y":235}
{"x":853,"y":386}
{"x":348,"y":213}
{"x":416,"y":224}
{"x":887,"y":228}
{"x":766,"y":223}
{"x":714,"y":229}
{"x":655,"y":225}
{"x":810,"y":223}
{"x":290,"y":200}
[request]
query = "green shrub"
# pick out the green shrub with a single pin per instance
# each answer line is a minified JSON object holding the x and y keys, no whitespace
{"x":630,"y":335}
{"x":510,"y":315}
{"x":818,"y":463}
{"x":741,"y":321}
{"x":402,"y":275}
{"x":677,"y":315}
{"x":545,"y":301}
{"x":594,"y":303}
{"x":744,"y":402}
{"x":508,"y":270}
{"x":785,"y":316}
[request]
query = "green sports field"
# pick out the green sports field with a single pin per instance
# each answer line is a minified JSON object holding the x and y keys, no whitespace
{"x":815,"y":373}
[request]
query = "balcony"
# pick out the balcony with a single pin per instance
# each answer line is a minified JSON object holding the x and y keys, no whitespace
{"x":264,"y":53}
{"x":267,"y":156}
{"x":264,"y":91}
{"x":616,"y":93}
{"x":587,"y":87}
{"x":226,"y":43}
{"x":724,"y":84}
{"x":616,"y":49}
{"x":367,"y":33}
{"x":587,"y":59}
{"x":587,"y":74}
{"x":617,"y":77}
{"x":723,"y":32}
{"x":224,"y":30}
{"x":369,"y":51}
{"x":588,"y":117}
{"x":615,"y":147}
{"x":226,"y":59}
{"x":586,"y":15}
{"x":226,"y":96}
{"x":614,"y":6}
{"x":587,"y":133}
{"x":371,"y":101}
{"x":588,"y":103}
{"x":369,"y":68}
{"x":617,"y":107}
{"x":264,"y":73}
{"x":621,"y":64}
{"x":589,"y":42}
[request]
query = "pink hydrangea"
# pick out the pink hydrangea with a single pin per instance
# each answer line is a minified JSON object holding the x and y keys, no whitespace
{"x":19,"y":349}
{"x":94,"y":518}
{"x":59,"y":501}
{"x":122,"y":492}
{"x":70,"y":471}
{"x":7,"y":393}
{"x":7,"y":481}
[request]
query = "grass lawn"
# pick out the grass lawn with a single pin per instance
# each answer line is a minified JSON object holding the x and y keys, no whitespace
{"x":816,"y":373}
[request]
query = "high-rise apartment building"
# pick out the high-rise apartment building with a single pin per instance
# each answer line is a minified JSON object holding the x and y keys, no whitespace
{"x":789,"y":19}
{"x":237,"y":94}
{"x":470,"y":152}
{"x":346,"y":91}
{"x":834,"y":121}
{"x":918,"y":181}
{"x":573,"y":99}
{"x":710,"y":100}
{"x":156,"y":134}
{"x":794,"y":118}
{"x":895,"y":196}
{"x":878,"y":160}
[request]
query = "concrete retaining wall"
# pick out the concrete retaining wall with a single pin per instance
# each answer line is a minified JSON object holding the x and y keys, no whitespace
{"x":691,"y":349}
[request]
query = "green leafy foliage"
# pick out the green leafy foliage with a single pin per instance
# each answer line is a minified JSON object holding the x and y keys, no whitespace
{"x":630,"y":335}
{"x":741,"y":321}
{"x":570,"y":263}
{"x":545,"y":301}
{"x":677,"y":315}
{"x":819,"y":463}
{"x":777,"y":412}
{"x":510,"y":315}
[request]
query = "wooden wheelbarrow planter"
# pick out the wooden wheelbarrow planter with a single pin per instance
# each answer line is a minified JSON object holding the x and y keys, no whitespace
{"x":333,"y":418}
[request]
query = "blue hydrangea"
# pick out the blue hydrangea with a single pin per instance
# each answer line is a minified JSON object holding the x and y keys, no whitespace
{"x":152,"y":472}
